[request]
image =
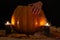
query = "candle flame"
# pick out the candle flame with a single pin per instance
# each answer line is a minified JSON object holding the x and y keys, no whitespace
{"x":47,"y":24}
{"x":7,"y":23}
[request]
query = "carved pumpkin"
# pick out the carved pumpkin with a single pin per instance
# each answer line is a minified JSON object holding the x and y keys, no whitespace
{"x":28,"y":18}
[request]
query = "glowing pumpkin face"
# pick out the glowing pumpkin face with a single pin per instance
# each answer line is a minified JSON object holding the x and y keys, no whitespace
{"x":25,"y":19}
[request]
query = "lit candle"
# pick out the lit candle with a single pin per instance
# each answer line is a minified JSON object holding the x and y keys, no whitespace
{"x":47,"y":24}
{"x":7,"y":23}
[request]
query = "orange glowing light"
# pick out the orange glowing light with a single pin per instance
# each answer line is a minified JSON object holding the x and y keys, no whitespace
{"x":13,"y":21}
{"x":36,"y":23}
{"x":42,"y":23}
{"x":17,"y":22}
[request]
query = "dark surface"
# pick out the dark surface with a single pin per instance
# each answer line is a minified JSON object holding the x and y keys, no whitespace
{"x":50,"y":7}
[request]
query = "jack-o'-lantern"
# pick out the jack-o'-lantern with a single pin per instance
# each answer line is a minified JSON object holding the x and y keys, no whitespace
{"x":28,"y":18}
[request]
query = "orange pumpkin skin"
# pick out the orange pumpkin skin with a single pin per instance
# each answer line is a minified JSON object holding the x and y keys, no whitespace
{"x":24,"y":21}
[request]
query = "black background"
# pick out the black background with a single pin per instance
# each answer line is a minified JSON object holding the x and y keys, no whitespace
{"x":50,"y":7}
